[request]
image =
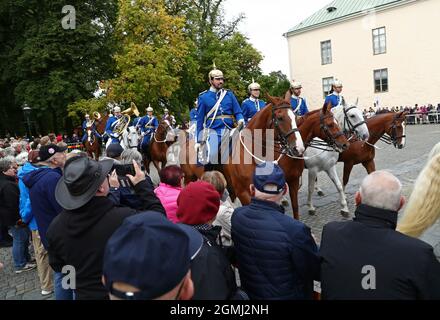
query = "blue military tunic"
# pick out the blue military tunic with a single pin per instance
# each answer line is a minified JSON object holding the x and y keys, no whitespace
{"x":334,"y":98}
{"x":193,"y":115}
{"x":93,"y":127}
{"x":250,"y":107}
{"x":148,"y":126}
{"x":111,"y":122}
{"x":299,"y":105}
{"x":229,"y":111}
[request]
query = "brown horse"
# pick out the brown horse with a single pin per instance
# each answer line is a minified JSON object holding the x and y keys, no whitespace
{"x":276,"y":115}
{"x":158,"y":147}
{"x":391,"y":124}
{"x":319,"y":123}
{"x":93,"y":144}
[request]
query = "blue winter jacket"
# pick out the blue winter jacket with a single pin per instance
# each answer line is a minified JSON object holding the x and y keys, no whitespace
{"x":41,"y":184}
{"x":277,"y":256}
{"x":25,"y":201}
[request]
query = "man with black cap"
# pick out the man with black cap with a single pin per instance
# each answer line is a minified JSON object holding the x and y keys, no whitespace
{"x":41,"y":184}
{"x":277,"y":256}
{"x":149,"y":257}
{"x":77,"y":237}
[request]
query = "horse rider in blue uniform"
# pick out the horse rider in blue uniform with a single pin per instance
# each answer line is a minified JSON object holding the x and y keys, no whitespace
{"x":253,"y":104}
{"x":193,"y":120}
{"x":147,"y":126}
{"x":169,"y":117}
{"x":218,"y":113}
{"x":88,"y":123}
{"x":111,"y":123}
{"x":298,"y":103}
{"x":335,"y":97}
{"x":193,"y":115}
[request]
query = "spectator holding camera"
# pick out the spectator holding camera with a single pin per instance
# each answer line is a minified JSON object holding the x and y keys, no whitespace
{"x":121,"y":190}
{"x":77,"y":237}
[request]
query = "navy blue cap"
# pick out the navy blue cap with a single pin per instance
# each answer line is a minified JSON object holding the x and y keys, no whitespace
{"x":114,"y":150}
{"x":150,"y":253}
{"x":269,"y":174}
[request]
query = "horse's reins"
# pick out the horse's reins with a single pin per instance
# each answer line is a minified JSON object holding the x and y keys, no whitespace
{"x":166,"y":131}
{"x":331,"y":142}
{"x":387,"y":139}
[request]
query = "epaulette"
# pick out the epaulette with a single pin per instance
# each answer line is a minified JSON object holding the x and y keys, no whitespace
{"x":202,"y":92}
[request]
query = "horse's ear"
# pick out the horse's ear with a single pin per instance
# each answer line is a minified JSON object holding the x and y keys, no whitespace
{"x":269,"y":98}
{"x":288,"y":96}
{"x":357,"y":102}
{"x":343,"y":102}
{"x":327,"y":107}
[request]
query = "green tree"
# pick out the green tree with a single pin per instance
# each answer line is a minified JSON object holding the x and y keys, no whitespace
{"x":49,"y":67}
{"x":151,"y":55}
{"x":276,"y":83}
{"x":212,"y":39}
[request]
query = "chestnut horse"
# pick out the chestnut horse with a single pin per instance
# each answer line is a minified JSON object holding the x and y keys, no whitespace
{"x":92,"y":144}
{"x":316,"y":124}
{"x":390,"y":124}
{"x":276,"y":115}
{"x":158,"y":147}
{"x":388,"y":127}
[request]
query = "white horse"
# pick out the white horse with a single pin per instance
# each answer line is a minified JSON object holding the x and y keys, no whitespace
{"x":350,"y":119}
{"x":128,"y":140}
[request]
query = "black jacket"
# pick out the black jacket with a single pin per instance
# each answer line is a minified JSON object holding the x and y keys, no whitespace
{"x":78,"y":238}
{"x":9,"y":201}
{"x":367,"y":259}
{"x":211,"y":271}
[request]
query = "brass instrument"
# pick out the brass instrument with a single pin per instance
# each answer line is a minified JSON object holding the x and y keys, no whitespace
{"x":96,"y":115}
{"x":122,"y":124}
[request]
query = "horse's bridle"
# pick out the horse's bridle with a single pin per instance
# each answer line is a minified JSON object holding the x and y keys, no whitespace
{"x":168,"y":126}
{"x":352,"y":128}
{"x":393,"y":138}
{"x":331,"y":139}
{"x":285,"y":147}
{"x":128,"y":140}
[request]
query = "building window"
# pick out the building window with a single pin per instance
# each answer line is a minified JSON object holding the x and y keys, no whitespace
{"x":379,"y":41}
{"x":326,"y":52}
{"x":381,"y":80}
{"x":327,"y":86}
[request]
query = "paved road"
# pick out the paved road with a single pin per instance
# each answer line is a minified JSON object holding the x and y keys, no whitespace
{"x":405,"y":164}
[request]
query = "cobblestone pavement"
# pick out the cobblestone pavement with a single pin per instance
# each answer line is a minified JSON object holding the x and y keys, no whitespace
{"x":405,"y":164}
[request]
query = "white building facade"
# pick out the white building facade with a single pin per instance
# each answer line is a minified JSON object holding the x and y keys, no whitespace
{"x":386,"y":52}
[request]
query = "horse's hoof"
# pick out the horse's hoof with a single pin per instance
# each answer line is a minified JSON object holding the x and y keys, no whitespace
{"x":345,"y":214}
{"x":312,"y":212}
{"x":321,"y":194}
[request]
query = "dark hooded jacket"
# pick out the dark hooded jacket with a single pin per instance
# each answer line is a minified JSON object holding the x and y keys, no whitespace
{"x":78,"y":238}
{"x":45,"y":208}
{"x":9,"y":195}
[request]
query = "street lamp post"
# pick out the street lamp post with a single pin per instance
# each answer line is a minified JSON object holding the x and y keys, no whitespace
{"x":27,"y":114}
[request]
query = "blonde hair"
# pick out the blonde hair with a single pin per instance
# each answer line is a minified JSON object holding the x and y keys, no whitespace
{"x":217,"y":179}
{"x":423,"y":208}
{"x":435,"y":151}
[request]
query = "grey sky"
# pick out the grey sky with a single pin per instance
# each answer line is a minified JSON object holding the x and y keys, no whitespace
{"x":265,"y":23}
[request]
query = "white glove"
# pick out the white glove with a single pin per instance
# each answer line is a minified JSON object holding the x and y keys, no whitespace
{"x":240,"y":125}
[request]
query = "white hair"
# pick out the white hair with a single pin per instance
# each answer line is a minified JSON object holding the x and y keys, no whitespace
{"x":382,"y":190}
{"x":128,"y":155}
{"x":22,"y":158}
{"x":9,"y":151}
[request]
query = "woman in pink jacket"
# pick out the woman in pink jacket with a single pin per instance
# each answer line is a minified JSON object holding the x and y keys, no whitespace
{"x":171,"y":179}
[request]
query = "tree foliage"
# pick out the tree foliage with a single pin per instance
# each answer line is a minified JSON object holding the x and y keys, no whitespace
{"x":49,"y":67}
